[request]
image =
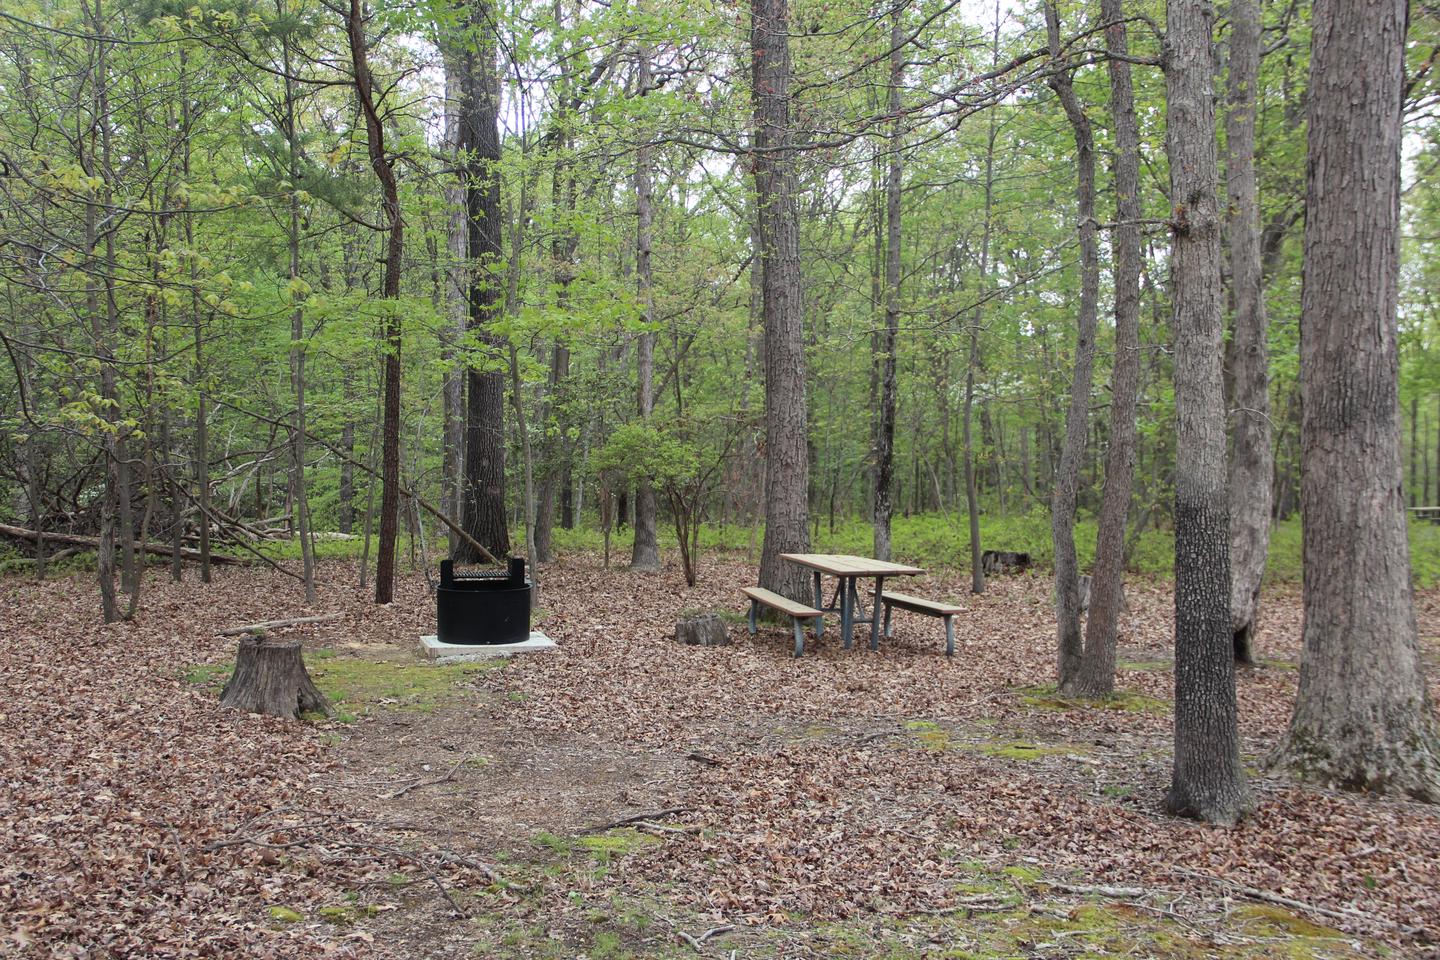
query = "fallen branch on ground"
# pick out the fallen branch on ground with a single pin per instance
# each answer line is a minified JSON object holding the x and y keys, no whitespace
{"x":1348,"y":915}
{"x":93,"y":543}
{"x":272,"y":624}
{"x":639,"y":817}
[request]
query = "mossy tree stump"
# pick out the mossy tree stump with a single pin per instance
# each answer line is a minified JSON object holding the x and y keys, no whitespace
{"x":270,"y":678}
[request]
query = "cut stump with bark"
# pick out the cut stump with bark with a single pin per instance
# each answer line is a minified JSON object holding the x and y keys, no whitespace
{"x":703,"y":631}
{"x":270,"y":678}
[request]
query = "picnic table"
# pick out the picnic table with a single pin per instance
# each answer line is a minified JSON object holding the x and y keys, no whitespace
{"x":848,"y":571}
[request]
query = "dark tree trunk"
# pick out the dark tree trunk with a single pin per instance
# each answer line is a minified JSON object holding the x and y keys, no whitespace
{"x":1363,"y":718}
{"x":382,"y":165}
{"x":645,"y":550}
{"x":1252,"y":467}
{"x":787,"y":461}
{"x":1069,"y":641}
{"x":1095,"y":674}
{"x":885,"y":424}
{"x":483,"y":484}
{"x":1208,"y":782}
{"x":270,"y":678}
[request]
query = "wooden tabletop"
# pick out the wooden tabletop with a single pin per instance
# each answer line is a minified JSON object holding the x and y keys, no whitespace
{"x":845,"y":565}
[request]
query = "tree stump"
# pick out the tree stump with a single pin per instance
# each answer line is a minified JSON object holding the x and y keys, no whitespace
{"x":270,"y":678}
{"x":703,"y":631}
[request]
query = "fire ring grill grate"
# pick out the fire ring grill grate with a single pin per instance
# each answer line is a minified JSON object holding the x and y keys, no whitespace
{"x":482,"y":605}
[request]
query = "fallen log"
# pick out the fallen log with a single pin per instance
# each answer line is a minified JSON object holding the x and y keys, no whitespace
{"x":272,"y":624}
{"x":93,"y":543}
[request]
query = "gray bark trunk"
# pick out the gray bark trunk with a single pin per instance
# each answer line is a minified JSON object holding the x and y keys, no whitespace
{"x":1069,"y":641}
{"x":645,"y":551}
{"x":885,"y":427}
{"x":1095,"y":674}
{"x":1208,"y":781}
{"x":1363,"y":719}
{"x":787,"y":457}
{"x":1252,"y":464}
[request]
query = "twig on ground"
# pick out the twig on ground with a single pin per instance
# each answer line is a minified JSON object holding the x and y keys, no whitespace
{"x":1349,"y":915}
{"x":1115,"y":893}
{"x":626,"y":821}
{"x":699,"y":757}
{"x":416,"y":785}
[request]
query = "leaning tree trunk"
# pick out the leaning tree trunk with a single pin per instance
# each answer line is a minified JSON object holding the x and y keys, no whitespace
{"x":1363,"y":718}
{"x":1252,"y":466}
{"x":1095,"y":676}
{"x":787,"y":456}
{"x":1208,"y":781}
{"x":1069,"y":642}
{"x":270,"y":678}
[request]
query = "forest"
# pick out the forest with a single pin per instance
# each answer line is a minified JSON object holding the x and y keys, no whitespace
{"x":1100,"y":331}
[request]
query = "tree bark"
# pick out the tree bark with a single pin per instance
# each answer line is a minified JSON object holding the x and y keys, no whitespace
{"x":457,"y":245}
{"x":299,"y":496}
{"x":645,"y":551}
{"x":1252,"y":464}
{"x":1363,"y":718}
{"x":787,"y":457}
{"x":270,"y":678}
{"x":1069,"y":641}
{"x":382,"y":165}
{"x":1208,"y":781}
{"x":483,"y":511}
{"x":972,"y":361}
{"x":1095,"y":674}
{"x":885,"y":427}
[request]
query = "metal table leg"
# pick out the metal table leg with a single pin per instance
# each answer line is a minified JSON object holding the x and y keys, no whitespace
{"x":875,"y":614}
{"x":847,"y":611}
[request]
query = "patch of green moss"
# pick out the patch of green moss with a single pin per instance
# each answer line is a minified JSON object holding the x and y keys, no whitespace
{"x":930,"y":734}
{"x":1270,"y":920}
{"x":346,"y":914}
{"x":1022,"y":750}
{"x":356,"y":686}
{"x":601,"y":846}
{"x":208,"y":674}
{"x":285,"y":915}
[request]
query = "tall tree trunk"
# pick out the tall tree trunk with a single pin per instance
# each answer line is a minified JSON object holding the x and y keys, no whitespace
{"x":381,"y":164}
{"x":1414,"y":448}
{"x":457,"y":245}
{"x":483,"y":512}
{"x":1252,"y":464}
{"x":885,"y":427}
{"x":1208,"y":782}
{"x":1363,"y":718}
{"x":202,"y":413}
{"x":299,"y":496}
{"x":645,"y":553}
{"x":787,"y":463}
{"x":1095,"y":674}
{"x":1069,"y":642}
{"x":972,"y":361}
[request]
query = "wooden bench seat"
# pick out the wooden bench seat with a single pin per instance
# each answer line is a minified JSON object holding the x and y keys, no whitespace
{"x":797,"y":612}
{"x":930,"y":608}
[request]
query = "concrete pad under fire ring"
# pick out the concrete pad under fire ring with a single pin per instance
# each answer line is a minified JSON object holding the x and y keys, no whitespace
{"x":441,"y":652}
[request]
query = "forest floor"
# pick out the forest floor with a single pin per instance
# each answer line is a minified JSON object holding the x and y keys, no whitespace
{"x":626,"y":796}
